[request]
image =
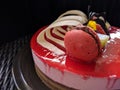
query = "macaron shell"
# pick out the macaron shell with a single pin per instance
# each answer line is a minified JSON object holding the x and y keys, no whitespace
{"x":80,"y":45}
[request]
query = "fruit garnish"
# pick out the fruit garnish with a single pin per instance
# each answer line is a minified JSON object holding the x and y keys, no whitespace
{"x":98,"y":22}
{"x":92,"y":24}
{"x":103,"y":39}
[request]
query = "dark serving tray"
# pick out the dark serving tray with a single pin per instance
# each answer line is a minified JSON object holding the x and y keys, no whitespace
{"x":23,"y":71}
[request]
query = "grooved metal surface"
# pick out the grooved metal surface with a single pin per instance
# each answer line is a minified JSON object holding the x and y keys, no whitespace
{"x":7,"y":53}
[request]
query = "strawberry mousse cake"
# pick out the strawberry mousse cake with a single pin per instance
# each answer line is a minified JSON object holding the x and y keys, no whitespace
{"x":77,"y":53}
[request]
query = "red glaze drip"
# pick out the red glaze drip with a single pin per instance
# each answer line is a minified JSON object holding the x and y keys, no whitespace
{"x":48,"y":68}
{"x":62,"y":77}
{"x":108,"y":83}
{"x":111,"y":82}
{"x":115,"y":80}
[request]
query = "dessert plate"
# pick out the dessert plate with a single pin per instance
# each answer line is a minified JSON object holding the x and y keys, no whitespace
{"x":23,"y":71}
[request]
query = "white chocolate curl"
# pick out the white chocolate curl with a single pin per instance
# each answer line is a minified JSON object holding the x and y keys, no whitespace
{"x":70,"y":18}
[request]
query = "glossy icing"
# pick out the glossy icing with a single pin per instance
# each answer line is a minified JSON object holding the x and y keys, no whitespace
{"x":63,"y":66}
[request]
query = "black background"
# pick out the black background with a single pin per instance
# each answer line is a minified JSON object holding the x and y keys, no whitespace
{"x":21,"y":17}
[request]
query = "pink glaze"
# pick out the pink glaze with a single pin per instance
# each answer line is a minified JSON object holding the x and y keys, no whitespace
{"x":81,"y":76}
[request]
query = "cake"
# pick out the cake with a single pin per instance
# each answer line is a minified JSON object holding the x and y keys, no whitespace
{"x":93,"y":66}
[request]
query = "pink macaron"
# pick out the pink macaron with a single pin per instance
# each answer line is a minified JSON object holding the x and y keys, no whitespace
{"x":82,"y":43}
